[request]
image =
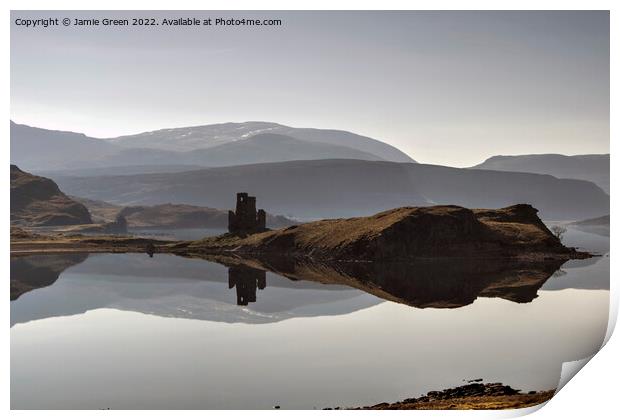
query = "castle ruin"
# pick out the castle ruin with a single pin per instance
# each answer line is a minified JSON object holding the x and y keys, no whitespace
{"x":245,"y":219}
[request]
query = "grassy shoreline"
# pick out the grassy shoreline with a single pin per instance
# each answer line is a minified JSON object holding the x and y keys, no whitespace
{"x":473,"y":396}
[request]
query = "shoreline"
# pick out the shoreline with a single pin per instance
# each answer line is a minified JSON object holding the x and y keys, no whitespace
{"x":137,"y":244}
{"x":396,"y":235}
{"x":473,"y":396}
{"x":94,"y":244}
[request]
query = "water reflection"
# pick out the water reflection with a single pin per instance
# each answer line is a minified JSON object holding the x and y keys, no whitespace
{"x":168,"y":286}
{"x":100,"y":331}
{"x":194,"y":288}
{"x":424,"y":284}
{"x":36,"y":271}
{"x":246,"y":280}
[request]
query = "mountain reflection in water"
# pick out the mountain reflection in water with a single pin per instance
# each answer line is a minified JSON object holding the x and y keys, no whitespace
{"x":136,"y":282}
{"x":129,"y":331}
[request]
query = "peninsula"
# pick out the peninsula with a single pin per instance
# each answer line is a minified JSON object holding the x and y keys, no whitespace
{"x":400,"y":234}
{"x":397,"y":235}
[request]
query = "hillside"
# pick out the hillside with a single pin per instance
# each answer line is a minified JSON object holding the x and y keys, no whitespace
{"x":403,"y":234}
{"x":345,"y":188}
{"x":169,"y":216}
{"x":37,"y":201}
{"x":206,"y":136}
{"x":38,"y":149}
{"x":594,"y":168}
{"x":270,"y":147}
{"x":119,"y":170}
{"x":172,"y":150}
{"x":186,"y":216}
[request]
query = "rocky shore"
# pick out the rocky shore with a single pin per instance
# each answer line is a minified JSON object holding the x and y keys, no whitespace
{"x":24,"y":242}
{"x":473,"y":396}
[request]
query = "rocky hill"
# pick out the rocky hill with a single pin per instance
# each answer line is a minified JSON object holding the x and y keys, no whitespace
{"x":403,"y":234}
{"x":37,"y":201}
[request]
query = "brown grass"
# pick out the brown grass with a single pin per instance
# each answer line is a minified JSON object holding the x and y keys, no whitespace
{"x":502,"y":402}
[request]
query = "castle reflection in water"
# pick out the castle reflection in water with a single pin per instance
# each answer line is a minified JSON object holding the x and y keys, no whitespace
{"x":246,"y":280}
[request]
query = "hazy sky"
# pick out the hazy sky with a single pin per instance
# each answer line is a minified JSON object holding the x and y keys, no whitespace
{"x":445,"y":87}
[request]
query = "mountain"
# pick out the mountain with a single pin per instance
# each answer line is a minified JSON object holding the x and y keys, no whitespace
{"x":36,"y":148}
{"x":118,"y":170}
{"x":345,"y":138}
{"x":174,"y":150}
{"x":37,"y":201}
{"x":207,"y":136}
{"x":259,"y":148}
{"x":344,"y":188}
{"x":270,"y":147}
{"x":594,"y":168}
{"x":191,"y":138}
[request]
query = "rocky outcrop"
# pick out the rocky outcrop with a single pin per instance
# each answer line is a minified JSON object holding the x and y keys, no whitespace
{"x":403,"y":234}
{"x":37,"y":201}
{"x":473,"y":396}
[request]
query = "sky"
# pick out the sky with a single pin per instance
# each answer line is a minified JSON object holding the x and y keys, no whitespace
{"x":449,"y":88}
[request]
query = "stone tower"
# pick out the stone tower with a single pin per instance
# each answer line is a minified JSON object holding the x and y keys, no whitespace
{"x":246,"y":219}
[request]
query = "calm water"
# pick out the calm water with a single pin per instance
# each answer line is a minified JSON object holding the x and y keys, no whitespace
{"x":128,"y":331}
{"x":188,"y":234}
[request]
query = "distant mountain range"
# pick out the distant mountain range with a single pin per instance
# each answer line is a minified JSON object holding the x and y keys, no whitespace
{"x":205,"y":146}
{"x":315,"y":189}
{"x":302,"y":172}
{"x":593,"y":168}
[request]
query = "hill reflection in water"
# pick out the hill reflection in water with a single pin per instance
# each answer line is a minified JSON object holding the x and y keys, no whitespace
{"x":320,"y":335}
{"x":171,"y":286}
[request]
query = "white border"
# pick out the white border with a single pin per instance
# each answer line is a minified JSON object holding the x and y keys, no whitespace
{"x":592,"y":394}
